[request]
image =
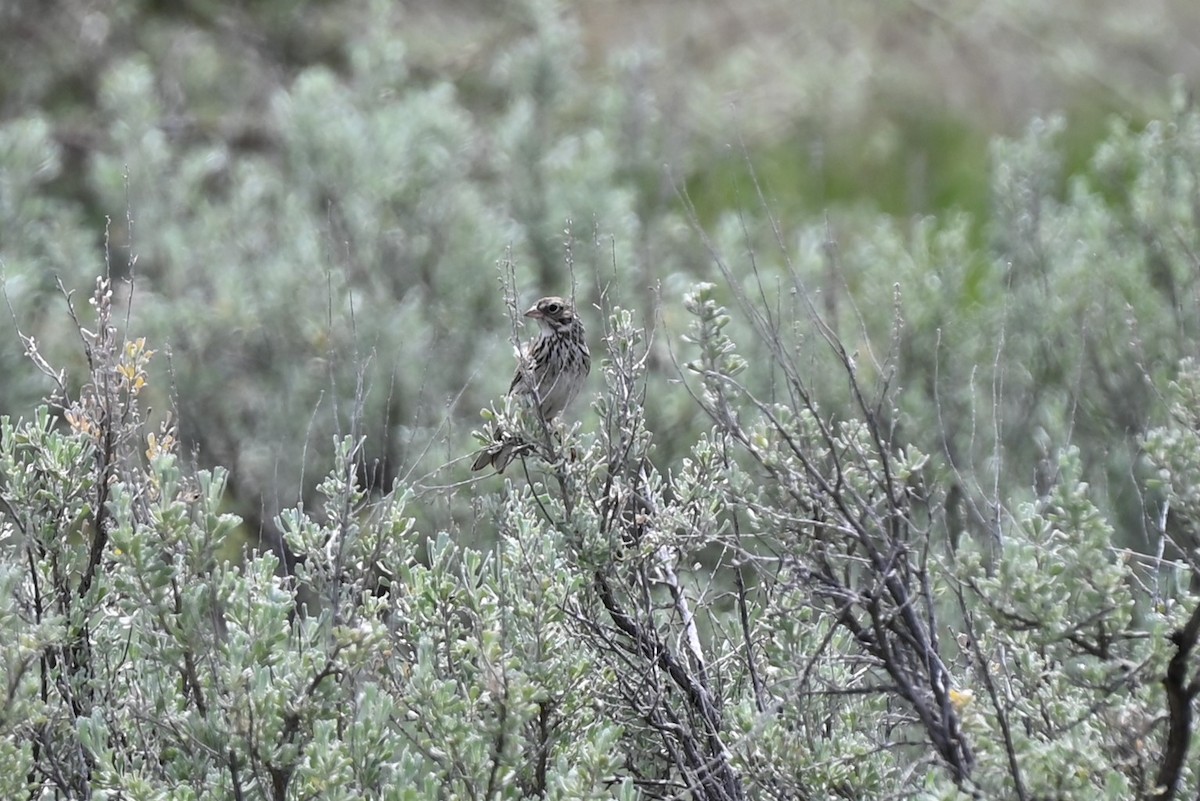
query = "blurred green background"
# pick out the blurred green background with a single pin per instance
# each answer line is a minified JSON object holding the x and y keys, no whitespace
{"x":991,"y":202}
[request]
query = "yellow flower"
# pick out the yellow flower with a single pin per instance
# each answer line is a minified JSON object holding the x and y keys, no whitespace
{"x":156,"y":445}
{"x":80,"y":422}
{"x":133,"y":364}
{"x":960,"y":699}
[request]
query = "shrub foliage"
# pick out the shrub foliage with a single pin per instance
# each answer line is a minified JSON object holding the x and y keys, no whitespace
{"x":785,"y":612}
{"x":860,"y":509}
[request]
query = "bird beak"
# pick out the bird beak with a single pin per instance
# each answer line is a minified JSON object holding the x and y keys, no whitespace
{"x":534,"y":313}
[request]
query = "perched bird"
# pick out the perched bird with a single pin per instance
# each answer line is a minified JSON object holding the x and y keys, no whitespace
{"x":552,"y":370}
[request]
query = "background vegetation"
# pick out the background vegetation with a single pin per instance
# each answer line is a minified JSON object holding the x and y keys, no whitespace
{"x":894,"y":303}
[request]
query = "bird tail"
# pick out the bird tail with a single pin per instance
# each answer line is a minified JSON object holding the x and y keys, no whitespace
{"x":500,"y":452}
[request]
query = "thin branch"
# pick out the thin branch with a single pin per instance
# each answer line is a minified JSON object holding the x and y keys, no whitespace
{"x":1181,"y":692}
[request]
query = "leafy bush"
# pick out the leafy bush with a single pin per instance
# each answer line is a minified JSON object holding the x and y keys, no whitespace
{"x":861,"y":508}
{"x":767,"y":617}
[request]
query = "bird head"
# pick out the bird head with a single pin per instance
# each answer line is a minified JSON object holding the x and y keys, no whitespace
{"x":553,"y":313}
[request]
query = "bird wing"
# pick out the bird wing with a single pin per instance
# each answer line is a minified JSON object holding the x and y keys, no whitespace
{"x":525,"y":365}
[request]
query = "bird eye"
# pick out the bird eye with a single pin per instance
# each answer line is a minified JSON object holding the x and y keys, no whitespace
{"x":553,"y":308}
